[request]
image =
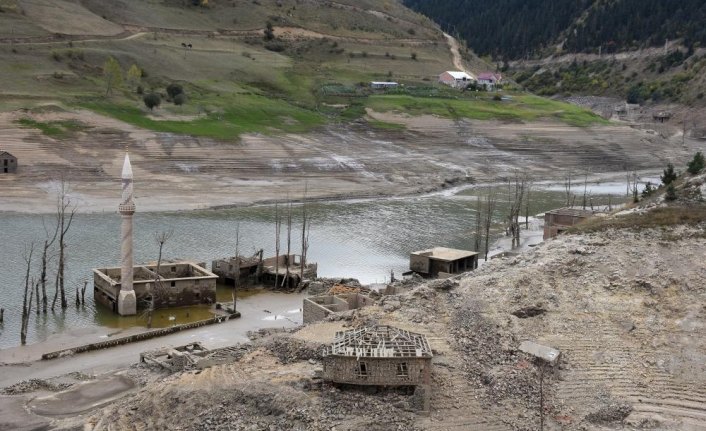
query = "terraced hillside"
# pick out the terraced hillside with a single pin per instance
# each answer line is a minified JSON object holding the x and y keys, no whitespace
{"x":265,"y":112}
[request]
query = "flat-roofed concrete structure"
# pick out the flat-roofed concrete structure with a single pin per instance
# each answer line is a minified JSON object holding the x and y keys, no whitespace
{"x":182,"y":283}
{"x":559,"y":220}
{"x":317,"y":308}
{"x":442,"y":261}
{"x":380,"y":356}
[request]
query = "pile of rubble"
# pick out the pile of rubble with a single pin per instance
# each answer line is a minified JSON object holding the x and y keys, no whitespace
{"x":321,"y":286}
{"x":34,"y":385}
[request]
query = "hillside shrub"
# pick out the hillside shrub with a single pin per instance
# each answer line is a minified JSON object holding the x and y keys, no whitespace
{"x":696,"y":164}
{"x":179,"y":99}
{"x":275,"y":46}
{"x":152,"y":100}
{"x":269,"y":31}
{"x":669,"y":175}
{"x":648,"y":190}
{"x":174,"y":89}
{"x":671,"y":194}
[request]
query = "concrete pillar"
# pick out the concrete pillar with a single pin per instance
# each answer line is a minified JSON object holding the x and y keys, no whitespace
{"x":127,"y":301}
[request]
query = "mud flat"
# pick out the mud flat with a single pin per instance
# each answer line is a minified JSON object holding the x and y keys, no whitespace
{"x":177,"y":172}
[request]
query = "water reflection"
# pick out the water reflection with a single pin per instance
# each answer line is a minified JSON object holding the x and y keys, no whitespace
{"x":361,"y":239}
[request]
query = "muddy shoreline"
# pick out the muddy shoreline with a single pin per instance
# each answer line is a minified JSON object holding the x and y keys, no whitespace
{"x":451,"y":186}
{"x":431,"y":154}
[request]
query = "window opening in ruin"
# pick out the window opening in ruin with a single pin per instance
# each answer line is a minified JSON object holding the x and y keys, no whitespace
{"x":173,"y":268}
{"x":362,"y":369}
{"x":173,"y":283}
{"x":402,"y":370}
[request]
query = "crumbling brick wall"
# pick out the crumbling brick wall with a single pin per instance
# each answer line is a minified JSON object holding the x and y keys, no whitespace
{"x":410,"y":371}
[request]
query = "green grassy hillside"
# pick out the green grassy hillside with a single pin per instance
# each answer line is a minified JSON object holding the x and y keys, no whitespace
{"x":313,"y":71}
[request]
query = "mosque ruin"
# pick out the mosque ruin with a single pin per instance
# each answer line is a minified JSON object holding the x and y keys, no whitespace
{"x":174,"y":284}
{"x":171,"y":284}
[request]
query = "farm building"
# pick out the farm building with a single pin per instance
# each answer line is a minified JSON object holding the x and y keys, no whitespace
{"x":442,"y":261}
{"x":381,"y":85}
{"x":456,"y":79}
{"x":8,"y":163}
{"x":181,"y":283}
{"x":558,"y":220}
{"x":380,"y":356}
{"x":489,"y":80}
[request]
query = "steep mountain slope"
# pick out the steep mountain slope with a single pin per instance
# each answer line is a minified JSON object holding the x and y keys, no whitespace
{"x":513,"y":29}
{"x":643,"y":51}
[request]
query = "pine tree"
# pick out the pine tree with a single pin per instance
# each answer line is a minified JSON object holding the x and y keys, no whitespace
{"x":696,"y":164}
{"x":669,"y":175}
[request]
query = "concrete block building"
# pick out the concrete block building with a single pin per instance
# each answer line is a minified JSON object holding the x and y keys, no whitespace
{"x":559,"y":220}
{"x":442,"y":261}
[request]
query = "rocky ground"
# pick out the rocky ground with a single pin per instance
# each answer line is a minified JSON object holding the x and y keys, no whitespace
{"x":624,"y":305}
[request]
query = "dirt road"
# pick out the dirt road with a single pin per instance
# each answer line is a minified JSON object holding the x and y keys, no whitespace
{"x":456,"y":53}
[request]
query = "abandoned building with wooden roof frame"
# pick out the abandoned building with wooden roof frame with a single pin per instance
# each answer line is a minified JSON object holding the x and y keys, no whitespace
{"x":378,"y":355}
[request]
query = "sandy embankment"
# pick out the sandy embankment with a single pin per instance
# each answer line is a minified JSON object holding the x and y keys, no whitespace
{"x":175,"y":172}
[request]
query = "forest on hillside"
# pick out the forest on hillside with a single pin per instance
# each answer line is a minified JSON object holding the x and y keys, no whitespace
{"x":513,"y":29}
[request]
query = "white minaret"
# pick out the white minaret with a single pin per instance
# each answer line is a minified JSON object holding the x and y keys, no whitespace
{"x":127,"y":301}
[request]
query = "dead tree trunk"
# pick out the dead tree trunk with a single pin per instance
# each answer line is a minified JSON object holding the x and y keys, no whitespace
{"x":632,"y":185}
{"x":36,"y":293}
{"x":157,"y":289}
{"x":305,"y":237}
{"x":278,"y":229}
{"x":43,"y":278}
{"x":567,"y":188}
{"x":236,"y":277}
{"x":585,"y":188}
{"x":25,"y":306}
{"x":83,"y":293}
{"x":478,"y":234}
{"x":528,"y":187}
{"x":289,"y":244}
{"x":515,"y":195}
{"x":64,"y":204}
{"x":490,"y":201}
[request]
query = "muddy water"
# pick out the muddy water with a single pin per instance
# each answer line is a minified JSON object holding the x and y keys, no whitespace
{"x":364,"y":239}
